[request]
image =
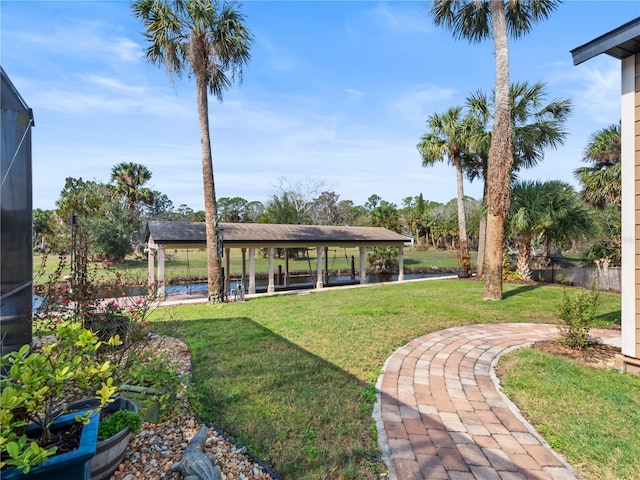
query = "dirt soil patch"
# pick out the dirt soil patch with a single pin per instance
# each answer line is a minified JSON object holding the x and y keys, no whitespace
{"x":597,"y":355}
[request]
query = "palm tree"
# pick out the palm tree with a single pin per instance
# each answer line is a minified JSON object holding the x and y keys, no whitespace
{"x":549,"y":211}
{"x":601,"y":182}
{"x":210,"y":41}
{"x":127,"y":182}
{"x":537,"y":125}
{"x":385,"y":215}
{"x":448,"y":136}
{"x":568,"y":215}
{"x":477,"y":20}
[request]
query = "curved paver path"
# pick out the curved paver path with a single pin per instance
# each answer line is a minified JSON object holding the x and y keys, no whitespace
{"x":441,"y":416}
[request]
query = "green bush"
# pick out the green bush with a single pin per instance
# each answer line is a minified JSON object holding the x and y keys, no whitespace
{"x":577,"y":313}
{"x":382,"y":259}
{"x":118,"y":421}
{"x":35,"y":381}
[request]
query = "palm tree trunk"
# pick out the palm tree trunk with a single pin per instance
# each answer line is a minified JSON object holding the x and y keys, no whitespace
{"x":463,"y":239}
{"x":462,"y":218}
{"x":500,"y":159}
{"x":524,"y":258}
{"x":210,"y":204}
{"x":482,"y":234}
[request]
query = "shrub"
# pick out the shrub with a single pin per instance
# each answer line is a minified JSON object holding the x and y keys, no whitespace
{"x":577,"y":313}
{"x":36,"y":381}
{"x":118,"y":421}
{"x":382,"y":259}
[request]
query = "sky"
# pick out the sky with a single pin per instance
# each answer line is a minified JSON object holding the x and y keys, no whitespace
{"x":335,"y":92}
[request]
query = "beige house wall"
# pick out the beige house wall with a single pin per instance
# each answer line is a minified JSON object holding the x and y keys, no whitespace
{"x":636,"y":202}
{"x":630,"y":358}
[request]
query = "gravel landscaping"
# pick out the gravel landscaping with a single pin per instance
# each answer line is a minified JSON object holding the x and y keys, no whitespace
{"x":157,"y":446}
{"x":154,"y":449}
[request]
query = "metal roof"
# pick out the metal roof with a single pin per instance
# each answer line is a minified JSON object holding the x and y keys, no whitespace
{"x":620,"y":43}
{"x":260,"y":235}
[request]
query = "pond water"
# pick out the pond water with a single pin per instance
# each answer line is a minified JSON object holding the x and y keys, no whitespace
{"x":304,"y":281}
{"x":296,"y":282}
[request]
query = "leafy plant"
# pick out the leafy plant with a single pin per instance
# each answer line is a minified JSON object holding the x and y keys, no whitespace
{"x":118,"y":421}
{"x":383,"y":259}
{"x":156,"y":371}
{"x":577,"y":313}
{"x":152,"y":369}
{"x":34,"y":384}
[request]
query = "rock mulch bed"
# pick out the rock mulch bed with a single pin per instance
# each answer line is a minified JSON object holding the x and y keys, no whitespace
{"x":154,"y":449}
{"x":157,"y":446}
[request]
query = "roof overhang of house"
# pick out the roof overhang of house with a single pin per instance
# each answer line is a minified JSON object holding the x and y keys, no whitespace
{"x":620,"y":43}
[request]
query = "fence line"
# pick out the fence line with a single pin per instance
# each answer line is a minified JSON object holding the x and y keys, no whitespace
{"x":609,"y":278}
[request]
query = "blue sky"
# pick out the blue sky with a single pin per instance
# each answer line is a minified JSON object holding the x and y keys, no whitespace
{"x":335,"y":91}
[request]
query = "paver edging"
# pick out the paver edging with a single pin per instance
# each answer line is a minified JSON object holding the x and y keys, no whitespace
{"x":383,"y":443}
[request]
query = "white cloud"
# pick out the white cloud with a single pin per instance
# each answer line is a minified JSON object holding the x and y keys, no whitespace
{"x":278,"y":58}
{"x":124,"y":49}
{"x":418,"y":104}
{"x":399,"y":20}
{"x":594,"y":88}
{"x":354,"y":95}
{"x":114,"y":84}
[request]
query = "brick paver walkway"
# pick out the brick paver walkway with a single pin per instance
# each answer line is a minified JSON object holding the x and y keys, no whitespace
{"x":442,"y":416}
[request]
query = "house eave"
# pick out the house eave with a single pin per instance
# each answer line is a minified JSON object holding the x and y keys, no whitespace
{"x":620,"y":43}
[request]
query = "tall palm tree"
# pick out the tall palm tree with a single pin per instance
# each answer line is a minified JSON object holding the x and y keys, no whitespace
{"x":602,"y":181}
{"x":477,"y":20}
{"x":448,"y":136}
{"x":209,"y":40}
{"x":537,"y":126}
{"x":128,"y":181}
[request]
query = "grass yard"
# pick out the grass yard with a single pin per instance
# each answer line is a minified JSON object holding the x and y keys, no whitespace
{"x":590,"y":416}
{"x":192,"y":264}
{"x":292,"y":376}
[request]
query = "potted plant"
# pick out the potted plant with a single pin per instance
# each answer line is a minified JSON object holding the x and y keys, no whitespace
{"x":118,"y":420}
{"x":152,"y":382}
{"x":33,"y":423}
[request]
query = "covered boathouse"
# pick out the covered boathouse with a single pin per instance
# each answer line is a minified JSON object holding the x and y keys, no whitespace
{"x":160,"y":236}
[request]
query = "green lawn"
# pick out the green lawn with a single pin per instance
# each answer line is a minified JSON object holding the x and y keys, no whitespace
{"x":292,"y":376}
{"x":192,"y":264}
{"x":590,"y":416}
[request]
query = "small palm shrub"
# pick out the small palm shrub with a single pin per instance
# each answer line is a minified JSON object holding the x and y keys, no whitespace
{"x":577,"y":313}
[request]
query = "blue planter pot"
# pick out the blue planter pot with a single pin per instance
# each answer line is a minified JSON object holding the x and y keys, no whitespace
{"x":73,"y":465}
{"x":111,"y":451}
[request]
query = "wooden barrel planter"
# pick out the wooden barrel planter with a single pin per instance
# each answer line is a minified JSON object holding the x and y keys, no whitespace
{"x":109,"y":452}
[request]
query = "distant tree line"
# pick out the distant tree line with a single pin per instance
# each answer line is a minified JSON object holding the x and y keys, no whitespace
{"x":543,"y":216}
